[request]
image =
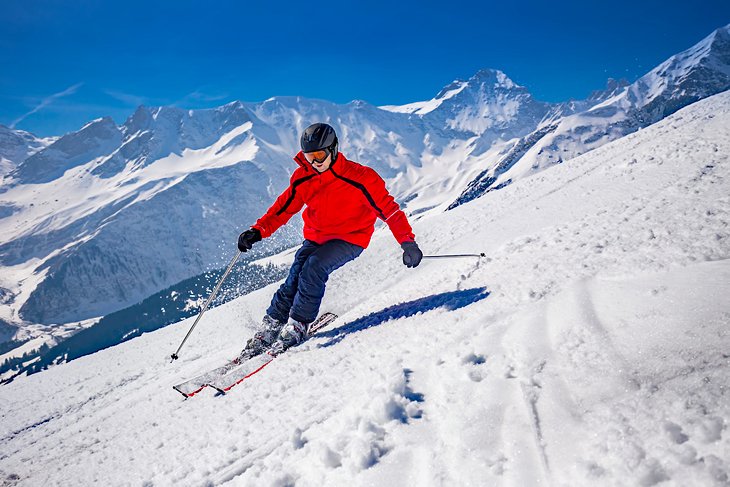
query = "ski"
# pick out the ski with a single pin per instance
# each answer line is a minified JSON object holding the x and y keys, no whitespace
{"x":323,"y":320}
{"x":227,"y":381}
{"x":252,"y":364}
{"x":224,"y":383}
{"x":192,"y":386}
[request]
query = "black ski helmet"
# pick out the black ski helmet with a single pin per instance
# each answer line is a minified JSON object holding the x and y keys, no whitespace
{"x":319,"y":136}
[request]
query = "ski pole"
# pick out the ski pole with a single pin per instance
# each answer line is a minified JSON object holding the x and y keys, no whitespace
{"x":450,"y":256}
{"x":207,"y":303}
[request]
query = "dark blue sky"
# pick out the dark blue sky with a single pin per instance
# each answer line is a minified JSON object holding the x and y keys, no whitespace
{"x":63,"y":63}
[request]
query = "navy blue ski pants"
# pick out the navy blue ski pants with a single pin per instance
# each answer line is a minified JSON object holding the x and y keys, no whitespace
{"x":302,"y":292}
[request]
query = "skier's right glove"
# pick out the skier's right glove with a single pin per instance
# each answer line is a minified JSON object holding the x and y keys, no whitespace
{"x":412,"y":255}
{"x":248,"y":238}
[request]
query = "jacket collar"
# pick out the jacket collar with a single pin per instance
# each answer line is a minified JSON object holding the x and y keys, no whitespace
{"x":305,"y":164}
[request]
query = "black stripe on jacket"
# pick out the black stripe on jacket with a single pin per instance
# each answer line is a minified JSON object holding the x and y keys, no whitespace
{"x":364,"y":190}
{"x":293,"y":191}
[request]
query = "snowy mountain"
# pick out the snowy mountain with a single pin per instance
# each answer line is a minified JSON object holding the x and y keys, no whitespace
{"x":16,"y":146}
{"x":104,"y":217}
{"x":589,"y":348}
{"x":489,"y":104}
{"x":463,"y":128}
{"x":108,"y":215}
{"x":694,"y":74}
{"x":94,"y":140}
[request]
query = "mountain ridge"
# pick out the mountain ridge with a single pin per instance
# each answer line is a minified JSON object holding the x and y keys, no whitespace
{"x":689,"y":76}
{"x":154,"y":184}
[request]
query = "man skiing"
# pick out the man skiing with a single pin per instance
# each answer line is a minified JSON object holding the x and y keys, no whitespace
{"x":343,"y":200}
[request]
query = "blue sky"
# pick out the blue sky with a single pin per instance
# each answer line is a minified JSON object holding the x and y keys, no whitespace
{"x":64,"y":63}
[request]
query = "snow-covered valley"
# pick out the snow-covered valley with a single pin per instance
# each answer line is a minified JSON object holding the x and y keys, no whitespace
{"x":591,"y":346}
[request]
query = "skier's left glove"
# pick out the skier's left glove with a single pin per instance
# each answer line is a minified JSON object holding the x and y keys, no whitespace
{"x":248,"y":238}
{"x":412,"y":255}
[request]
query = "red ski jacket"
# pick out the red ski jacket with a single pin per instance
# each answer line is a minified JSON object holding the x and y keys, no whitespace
{"x":342,"y":203}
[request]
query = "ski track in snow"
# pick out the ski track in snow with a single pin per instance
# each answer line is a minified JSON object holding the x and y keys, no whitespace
{"x":590,"y":347}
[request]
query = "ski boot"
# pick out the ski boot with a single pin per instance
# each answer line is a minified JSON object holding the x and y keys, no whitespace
{"x":292,"y":334}
{"x":262,"y":339}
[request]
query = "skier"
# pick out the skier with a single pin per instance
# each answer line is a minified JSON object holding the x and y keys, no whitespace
{"x":343,"y":200}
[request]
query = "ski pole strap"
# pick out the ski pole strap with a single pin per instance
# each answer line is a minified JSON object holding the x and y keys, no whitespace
{"x":207,"y":303}
{"x":451,"y":256}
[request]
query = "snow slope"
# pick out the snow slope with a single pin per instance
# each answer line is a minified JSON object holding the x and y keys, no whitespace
{"x":590,"y":347}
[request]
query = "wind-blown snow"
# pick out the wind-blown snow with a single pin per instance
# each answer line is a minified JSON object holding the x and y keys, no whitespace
{"x":590,"y":347}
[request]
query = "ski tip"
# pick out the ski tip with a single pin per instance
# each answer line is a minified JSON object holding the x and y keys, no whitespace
{"x":188,"y":394}
{"x":181,"y":392}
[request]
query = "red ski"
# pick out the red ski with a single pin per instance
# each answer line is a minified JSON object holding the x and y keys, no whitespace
{"x":234,"y":372}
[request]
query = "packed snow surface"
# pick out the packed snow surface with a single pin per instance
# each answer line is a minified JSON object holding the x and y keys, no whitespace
{"x":591,"y":347}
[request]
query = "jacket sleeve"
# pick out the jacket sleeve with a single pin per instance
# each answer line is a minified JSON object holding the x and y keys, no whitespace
{"x":288,"y":204}
{"x":387,"y":209}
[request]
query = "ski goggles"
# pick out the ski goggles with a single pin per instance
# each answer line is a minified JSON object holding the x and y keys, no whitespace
{"x":317,"y":156}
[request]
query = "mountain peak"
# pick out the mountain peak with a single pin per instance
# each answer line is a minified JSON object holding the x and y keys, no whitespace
{"x":693,"y":74}
{"x":495,"y":76}
{"x":139,"y":120}
{"x":719,"y":43}
{"x":99,"y":124}
{"x":6,"y":129}
{"x":713,"y":51}
{"x":613,"y":87}
{"x":230,"y":107}
{"x":16,"y":146}
{"x":722,"y":32}
{"x":485,"y":79}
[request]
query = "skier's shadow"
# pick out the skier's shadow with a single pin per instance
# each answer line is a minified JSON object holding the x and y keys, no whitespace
{"x":451,"y":300}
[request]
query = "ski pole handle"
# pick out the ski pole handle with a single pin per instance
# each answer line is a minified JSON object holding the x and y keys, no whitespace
{"x":207,"y":303}
{"x":452,"y":256}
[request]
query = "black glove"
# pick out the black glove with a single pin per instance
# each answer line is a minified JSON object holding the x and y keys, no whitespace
{"x":412,"y":255}
{"x":248,"y":238}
